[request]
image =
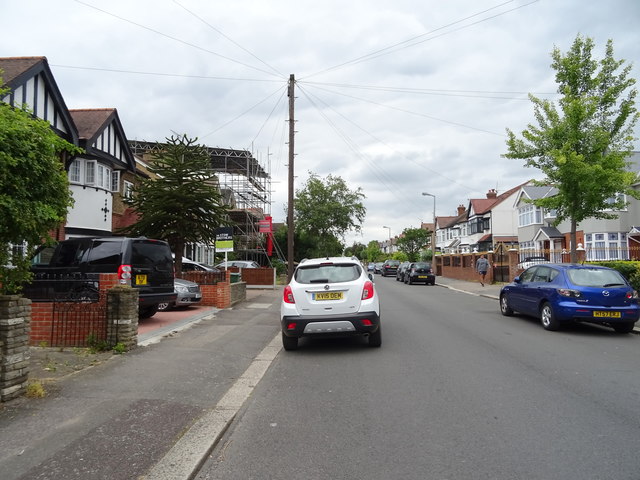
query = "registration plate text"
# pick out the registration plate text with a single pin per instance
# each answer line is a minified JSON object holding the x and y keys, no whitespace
{"x":607,"y":314}
{"x":328,"y":296}
{"x":141,"y":279}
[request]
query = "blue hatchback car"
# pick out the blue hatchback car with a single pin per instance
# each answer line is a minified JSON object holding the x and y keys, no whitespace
{"x":561,"y":293}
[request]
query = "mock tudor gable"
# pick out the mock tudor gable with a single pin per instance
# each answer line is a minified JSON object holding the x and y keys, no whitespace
{"x":33,"y":86}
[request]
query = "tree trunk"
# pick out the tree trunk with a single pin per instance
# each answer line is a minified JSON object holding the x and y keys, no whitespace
{"x":574,"y":243}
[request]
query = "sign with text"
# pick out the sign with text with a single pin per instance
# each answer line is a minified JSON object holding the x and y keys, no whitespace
{"x":224,"y":239}
{"x":264,"y":226}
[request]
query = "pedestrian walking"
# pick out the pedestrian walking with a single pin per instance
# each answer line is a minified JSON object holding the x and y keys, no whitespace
{"x":482,"y":266}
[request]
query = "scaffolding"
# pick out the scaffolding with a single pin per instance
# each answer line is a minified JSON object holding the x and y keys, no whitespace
{"x":246,"y":187}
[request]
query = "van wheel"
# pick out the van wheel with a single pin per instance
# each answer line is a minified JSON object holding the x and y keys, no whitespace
{"x":146,"y":312}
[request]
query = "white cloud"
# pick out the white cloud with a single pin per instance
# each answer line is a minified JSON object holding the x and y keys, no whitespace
{"x":394,"y":144}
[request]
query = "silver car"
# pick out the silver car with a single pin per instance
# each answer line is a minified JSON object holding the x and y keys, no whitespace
{"x":188,"y":293}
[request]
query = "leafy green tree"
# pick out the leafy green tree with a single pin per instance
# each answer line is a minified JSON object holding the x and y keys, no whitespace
{"x":34,"y":190}
{"x":412,"y":241}
{"x":357,"y":250}
{"x":582,"y":145}
{"x":183,"y":204}
{"x":326,"y":210}
{"x":373,"y":253}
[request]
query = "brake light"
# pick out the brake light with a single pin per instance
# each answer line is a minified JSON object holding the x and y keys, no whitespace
{"x":567,"y":292}
{"x":367,"y":291}
{"x":288,"y":295}
{"x":632,"y":294}
{"x":124,"y":274}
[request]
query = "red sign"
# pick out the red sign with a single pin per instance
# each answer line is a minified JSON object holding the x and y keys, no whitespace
{"x":265,"y":225}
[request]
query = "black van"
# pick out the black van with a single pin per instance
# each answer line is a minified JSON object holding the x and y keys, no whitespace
{"x":140,"y":262}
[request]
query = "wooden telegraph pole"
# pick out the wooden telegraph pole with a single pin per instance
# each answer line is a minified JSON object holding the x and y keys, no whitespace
{"x":290,"y":228}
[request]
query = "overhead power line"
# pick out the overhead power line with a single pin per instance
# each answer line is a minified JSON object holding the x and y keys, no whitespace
{"x":414,"y":40}
{"x":157,"y":32}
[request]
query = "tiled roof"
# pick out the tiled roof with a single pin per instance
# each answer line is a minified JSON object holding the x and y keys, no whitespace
{"x":91,"y":121}
{"x":12,"y":67}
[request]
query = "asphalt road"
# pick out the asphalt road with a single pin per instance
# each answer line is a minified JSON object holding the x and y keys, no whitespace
{"x":455,"y":392}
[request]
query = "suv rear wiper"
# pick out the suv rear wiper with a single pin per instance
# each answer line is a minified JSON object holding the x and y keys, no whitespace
{"x":319,"y":280}
{"x":613,"y":285}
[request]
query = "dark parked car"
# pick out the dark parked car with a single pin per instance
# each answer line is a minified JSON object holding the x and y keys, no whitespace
{"x":191,"y":266}
{"x":419,"y":272}
{"x":377,"y":267}
{"x":400,"y":272}
{"x":561,"y":293}
{"x":389,"y":268}
{"x":142,"y":263}
{"x":187,"y":294}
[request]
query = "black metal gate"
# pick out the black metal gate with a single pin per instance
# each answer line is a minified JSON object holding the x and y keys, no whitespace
{"x":78,"y":324}
{"x":500,"y":264}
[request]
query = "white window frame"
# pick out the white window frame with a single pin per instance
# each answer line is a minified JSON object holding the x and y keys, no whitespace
{"x":115,"y":181}
{"x":75,"y":171}
{"x":90,"y":172}
{"x":127,"y":190}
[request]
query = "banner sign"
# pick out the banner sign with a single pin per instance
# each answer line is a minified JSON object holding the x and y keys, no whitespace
{"x":264,"y":226}
{"x":224,"y":239}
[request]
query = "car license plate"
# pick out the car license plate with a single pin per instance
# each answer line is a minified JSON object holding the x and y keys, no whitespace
{"x":328,"y":296}
{"x":198,"y":295}
{"x":607,"y":314}
{"x":141,"y":279}
{"x":422,"y":276}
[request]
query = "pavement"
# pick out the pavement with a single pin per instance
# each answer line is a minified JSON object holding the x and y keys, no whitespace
{"x":158,"y":411}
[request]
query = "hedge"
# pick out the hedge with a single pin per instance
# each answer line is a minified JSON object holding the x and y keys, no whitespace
{"x":629,"y":269}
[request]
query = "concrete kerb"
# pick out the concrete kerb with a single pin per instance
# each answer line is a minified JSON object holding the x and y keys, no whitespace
{"x":187,"y":456}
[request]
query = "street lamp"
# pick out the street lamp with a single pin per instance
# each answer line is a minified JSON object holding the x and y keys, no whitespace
{"x":433,"y":233}
{"x":389,"y":228}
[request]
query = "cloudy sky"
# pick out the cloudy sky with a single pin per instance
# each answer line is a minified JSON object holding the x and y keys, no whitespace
{"x":396,"y":97}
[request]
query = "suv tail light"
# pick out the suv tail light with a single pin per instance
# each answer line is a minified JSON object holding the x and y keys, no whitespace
{"x":367,"y":290}
{"x":124,"y":274}
{"x":288,"y":295}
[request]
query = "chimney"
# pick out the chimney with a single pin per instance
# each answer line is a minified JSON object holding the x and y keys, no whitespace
{"x":461,"y":209}
{"x":492,"y":193}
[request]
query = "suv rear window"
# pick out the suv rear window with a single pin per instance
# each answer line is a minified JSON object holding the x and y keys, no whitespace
{"x":331,"y":273}
{"x":148,"y":253}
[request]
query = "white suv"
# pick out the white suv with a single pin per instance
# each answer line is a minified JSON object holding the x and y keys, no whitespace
{"x":332,"y":296}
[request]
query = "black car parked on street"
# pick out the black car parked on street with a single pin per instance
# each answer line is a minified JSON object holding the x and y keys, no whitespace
{"x":419,"y":272}
{"x":390,"y":267}
{"x":401,"y":270}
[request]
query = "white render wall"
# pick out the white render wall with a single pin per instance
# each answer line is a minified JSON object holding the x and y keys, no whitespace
{"x":87,"y":211}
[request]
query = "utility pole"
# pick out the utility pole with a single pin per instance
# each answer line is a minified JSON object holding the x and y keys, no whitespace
{"x":290,"y":227}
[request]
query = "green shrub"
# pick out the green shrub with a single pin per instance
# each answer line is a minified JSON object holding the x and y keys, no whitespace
{"x":629,"y":269}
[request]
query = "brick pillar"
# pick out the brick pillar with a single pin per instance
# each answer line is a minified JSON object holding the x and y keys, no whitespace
{"x":15,"y":322}
{"x":122,"y":316}
{"x":514,"y":259}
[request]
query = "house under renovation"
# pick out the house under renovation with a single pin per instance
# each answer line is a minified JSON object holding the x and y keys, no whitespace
{"x":246,"y":189}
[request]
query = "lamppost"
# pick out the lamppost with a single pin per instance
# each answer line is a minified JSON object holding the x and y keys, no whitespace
{"x":389,"y":228}
{"x":433,"y":233}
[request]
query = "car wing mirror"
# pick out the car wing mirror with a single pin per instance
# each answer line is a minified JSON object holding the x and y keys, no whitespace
{"x":517,"y":279}
{"x":370,"y":276}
